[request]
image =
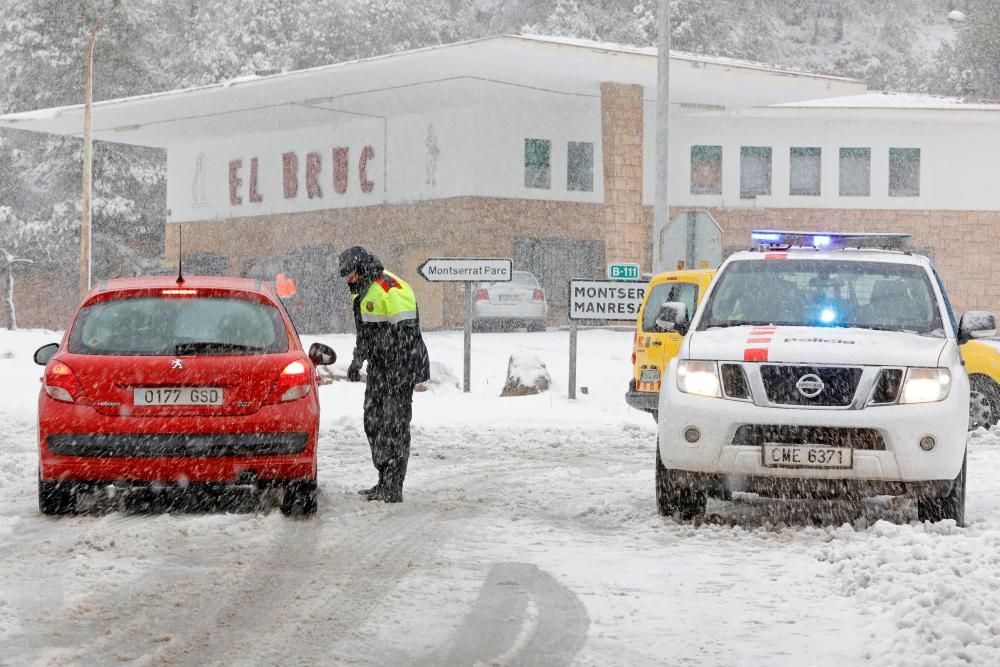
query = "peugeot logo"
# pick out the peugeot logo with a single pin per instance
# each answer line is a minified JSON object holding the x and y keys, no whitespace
{"x":177,"y":363}
{"x":810,"y":385}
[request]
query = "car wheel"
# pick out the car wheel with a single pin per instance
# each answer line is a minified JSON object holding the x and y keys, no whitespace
{"x":56,"y":498}
{"x":984,"y":403}
{"x":675,"y":497}
{"x":951,"y":506}
{"x":300,"y":498}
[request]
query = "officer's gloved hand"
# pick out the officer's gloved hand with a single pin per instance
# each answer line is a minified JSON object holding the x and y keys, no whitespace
{"x":354,"y":372}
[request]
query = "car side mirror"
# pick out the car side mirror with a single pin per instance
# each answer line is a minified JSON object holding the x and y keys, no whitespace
{"x":977,"y":324}
{"x":46,"y":352}
{"x":673,"y":316}
{"x":322,"y":355}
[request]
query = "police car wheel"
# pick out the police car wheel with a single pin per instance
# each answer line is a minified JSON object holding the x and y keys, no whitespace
{"x":674,"y":497}
{"x":984,"y":403}
{"x":951,"y":506}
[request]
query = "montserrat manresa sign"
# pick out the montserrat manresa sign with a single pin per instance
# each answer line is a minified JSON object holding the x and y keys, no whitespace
{"x":605,"y":299}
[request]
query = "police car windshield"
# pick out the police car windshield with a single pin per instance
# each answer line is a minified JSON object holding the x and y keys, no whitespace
{"x":824,"y":293}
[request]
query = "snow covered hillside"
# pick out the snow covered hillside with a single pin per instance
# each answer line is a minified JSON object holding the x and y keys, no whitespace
{"x":528,"y":535}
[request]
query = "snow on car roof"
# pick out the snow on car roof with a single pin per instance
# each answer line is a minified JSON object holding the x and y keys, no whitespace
{"x":849,"y":254}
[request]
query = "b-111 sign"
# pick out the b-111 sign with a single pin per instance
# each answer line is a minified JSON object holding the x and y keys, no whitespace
{"x":605,"y":299}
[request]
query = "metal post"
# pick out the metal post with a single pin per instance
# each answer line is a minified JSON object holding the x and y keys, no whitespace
{"x":572,"y":359}
{"x":661,"y":207}
{"x":691,"y":238}
{"x":88,"y":100}
{"x":467,"y":379}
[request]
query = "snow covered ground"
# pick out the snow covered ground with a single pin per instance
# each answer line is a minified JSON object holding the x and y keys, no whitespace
{"x":529,"y":536}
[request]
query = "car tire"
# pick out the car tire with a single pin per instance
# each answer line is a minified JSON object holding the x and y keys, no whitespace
{"x":56,"y":498}
{"x":951,"y":506}
{"x":984,"y":402}
{"x":673,"y":497}
{"x":300,"y":498}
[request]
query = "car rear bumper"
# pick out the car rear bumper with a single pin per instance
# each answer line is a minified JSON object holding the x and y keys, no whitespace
{"x":647,"y":401}
{"x":531,"y":310}
{"x":276,"y":443}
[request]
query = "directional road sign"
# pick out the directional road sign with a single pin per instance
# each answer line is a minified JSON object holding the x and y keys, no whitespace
{"x":467,"y":269}
{"x":605,"y":299}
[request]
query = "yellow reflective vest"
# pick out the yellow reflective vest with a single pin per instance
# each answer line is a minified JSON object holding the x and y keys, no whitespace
{"x":389,"y":299}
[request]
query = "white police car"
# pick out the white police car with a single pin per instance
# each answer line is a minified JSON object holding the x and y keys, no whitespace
{"x":818,"y":366}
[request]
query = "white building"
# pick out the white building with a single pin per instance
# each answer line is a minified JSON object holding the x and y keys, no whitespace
{"x":542,"y":149}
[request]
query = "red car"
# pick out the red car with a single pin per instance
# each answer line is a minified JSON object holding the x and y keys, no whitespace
{"x":162,"y":380}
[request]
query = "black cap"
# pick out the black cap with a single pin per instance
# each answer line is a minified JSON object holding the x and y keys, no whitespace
{"x":358,"y":260}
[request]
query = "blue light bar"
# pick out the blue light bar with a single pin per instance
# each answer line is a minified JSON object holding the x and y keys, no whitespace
{"x":769,"y":239}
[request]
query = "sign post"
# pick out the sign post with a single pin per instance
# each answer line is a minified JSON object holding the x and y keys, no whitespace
{"x":467,"y":270}
{"x":600,"y":300}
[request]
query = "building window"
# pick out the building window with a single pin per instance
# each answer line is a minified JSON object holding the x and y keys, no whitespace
{"x":537,"y":163}
{"x":804,"y":167}
{"x":855,"y":172}
{"x":755,"y":171}
{"x":580,"y":166}
{"x":904,"y":172}
{"x":706,"y":170}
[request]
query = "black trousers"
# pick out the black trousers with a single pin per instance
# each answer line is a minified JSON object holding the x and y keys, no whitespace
{"x":388,"y":410}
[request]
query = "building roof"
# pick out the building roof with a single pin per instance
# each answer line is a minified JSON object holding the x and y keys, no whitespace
{"x":891,"y":100}
{"x":464,"y":73}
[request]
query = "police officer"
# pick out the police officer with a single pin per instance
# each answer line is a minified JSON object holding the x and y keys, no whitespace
{"x":388,"y":338}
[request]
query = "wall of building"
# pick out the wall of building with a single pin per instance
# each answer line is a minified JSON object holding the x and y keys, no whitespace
{"x":403,"y":236}
{"x":956,"y":158}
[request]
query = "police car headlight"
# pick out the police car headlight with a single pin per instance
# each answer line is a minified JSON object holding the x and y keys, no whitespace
{"x":699,"y":377}
{"x":926,"y":385}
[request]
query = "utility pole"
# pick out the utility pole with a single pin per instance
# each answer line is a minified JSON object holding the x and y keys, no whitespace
{"x":88,"y":100}
{"x":661,"y":207}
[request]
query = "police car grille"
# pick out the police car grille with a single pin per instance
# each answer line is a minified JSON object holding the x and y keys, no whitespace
{"x":839,"y":384}
{"x":756,"y":435}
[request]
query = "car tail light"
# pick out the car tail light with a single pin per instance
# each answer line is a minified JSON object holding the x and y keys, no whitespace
{"x":633,"y":357}
{"x":538,"y":295}
{"x":62,"y":385}
{"x":295,"y":382}
{"x":482,"y":294}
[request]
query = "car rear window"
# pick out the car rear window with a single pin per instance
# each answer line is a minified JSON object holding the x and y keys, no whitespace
{"x":160,"y":326}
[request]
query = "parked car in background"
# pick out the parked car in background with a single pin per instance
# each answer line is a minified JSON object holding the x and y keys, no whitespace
{"x":509,"y":305}
{"x":195,"y":383}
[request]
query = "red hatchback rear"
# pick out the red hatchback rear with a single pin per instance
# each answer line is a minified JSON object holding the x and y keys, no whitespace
{"x":164,"y":382}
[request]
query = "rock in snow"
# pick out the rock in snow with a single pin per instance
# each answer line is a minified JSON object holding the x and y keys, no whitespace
{"x":526,"y":375}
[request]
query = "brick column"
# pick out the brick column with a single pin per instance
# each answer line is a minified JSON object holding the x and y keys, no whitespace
{"x":621,"y":128}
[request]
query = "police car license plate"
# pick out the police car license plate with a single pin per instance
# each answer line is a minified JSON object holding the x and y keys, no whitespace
{"x":650,"y":375}
{"x":806,"y":456}
{"x":177,"y":396}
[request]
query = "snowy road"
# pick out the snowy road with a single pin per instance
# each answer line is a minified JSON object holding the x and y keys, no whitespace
{"x":529,"y":536}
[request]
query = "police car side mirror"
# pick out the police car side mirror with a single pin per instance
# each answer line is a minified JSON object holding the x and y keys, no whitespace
{"x":322,"y":355}
{"x":977,"y":324}
{"x":673,"y":316}
{"x":46,"y":352}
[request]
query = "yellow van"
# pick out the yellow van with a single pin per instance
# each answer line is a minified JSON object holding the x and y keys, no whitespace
{"x":653,"y":349}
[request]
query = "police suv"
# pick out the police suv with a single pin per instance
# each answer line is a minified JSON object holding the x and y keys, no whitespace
{"x":818,"y":366}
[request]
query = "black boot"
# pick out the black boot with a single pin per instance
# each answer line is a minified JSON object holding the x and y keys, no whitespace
{"x":368,"y":492}
{"x":392,"y":496}
{"x":377,"y":493}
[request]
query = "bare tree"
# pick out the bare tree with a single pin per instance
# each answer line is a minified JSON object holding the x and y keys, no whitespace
{"x":10,"y":260}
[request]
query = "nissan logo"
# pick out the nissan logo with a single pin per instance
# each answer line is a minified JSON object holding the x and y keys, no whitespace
{"x":810,"y":385}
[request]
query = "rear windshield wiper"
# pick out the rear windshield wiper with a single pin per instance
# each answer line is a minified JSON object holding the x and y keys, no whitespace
{"x":213,"y":346}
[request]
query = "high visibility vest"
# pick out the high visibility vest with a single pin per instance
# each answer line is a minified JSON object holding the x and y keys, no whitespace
{"x":388,"y":299}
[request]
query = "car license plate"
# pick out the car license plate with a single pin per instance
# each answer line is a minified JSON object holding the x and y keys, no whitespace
{"x":806,"y":456}
{"x":509,"y":297}
{"x":177,"y":396}
{"x":650,"y":375}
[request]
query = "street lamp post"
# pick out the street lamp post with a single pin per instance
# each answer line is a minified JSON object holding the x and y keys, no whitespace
{"x":661,"y":205}
{"x":88,"y":100}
